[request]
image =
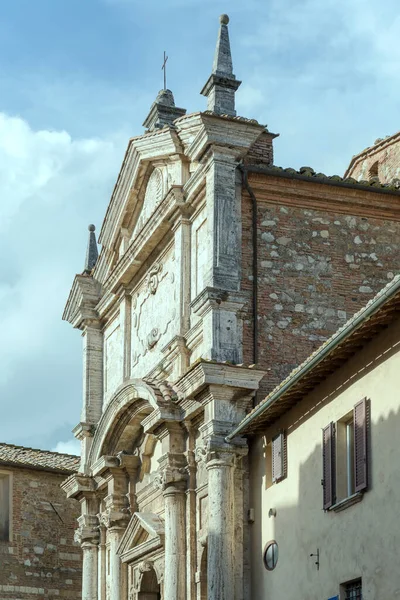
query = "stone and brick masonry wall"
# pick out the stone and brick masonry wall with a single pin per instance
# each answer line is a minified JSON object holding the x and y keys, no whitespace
{"x":42,"y":560}
{"x":316,"y":269}
{"x":382,"y":159}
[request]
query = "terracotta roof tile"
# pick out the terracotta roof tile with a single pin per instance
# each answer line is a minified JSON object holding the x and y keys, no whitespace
{"x":41,"y":459}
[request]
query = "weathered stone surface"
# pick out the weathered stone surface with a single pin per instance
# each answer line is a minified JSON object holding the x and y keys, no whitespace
{"x":41,"y":559}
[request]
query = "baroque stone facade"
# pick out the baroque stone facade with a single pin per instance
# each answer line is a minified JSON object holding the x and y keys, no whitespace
{"x":217,"y":272}
{"x":38,"y":556}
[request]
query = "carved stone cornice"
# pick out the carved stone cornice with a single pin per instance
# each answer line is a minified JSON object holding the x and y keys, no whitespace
{"x":205,"y":373}
{"x":77,"y":485}
{"x":232,"y":134}
{"x":215,"y":298}
{"x":83,"y":298}
{"x":83,"y":430}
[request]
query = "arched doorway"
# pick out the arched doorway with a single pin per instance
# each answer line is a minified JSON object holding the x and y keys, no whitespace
{"x":149,"y":586}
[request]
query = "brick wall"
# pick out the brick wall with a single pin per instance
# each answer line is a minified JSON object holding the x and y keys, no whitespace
{"x":316,"y":269}
{"x":41,"y":560}
{"x":261,"y":152}
{"x":383,"y":157}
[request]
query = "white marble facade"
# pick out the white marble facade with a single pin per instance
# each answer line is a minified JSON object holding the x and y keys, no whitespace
{"x":163,"y":495}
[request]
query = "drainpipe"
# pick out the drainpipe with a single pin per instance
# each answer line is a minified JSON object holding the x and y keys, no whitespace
{"x":255,"y":261}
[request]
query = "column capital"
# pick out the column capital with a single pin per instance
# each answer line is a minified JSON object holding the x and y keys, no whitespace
{"x":116,"y":514}
{"x":215,"y":452}
{"x":88,"y":533}
{"x":172,"y":475}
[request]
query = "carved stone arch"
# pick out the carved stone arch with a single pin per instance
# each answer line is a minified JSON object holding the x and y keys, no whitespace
{"x":120,"y":426}
{"x":149,"y":581}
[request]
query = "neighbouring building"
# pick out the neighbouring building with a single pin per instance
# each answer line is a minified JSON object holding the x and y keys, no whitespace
{"x":38,"y":556}
{"x":218,"y":274}
{"x":380,"y":163}
{"x":335,"y":417}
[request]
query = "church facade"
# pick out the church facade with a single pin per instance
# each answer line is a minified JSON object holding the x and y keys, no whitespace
{"x":218,"y":273}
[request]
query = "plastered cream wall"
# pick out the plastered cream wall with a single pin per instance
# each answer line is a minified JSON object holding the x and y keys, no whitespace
{"x":360,"y":541}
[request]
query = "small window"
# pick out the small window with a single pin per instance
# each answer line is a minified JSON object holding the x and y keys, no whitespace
{"x":271,"y":554}
{"x":345,"y":447}
{"x":5,"y":507}
{"x":345,"y":457}
{"x":275,"y":453}
{"x":352,"y":590}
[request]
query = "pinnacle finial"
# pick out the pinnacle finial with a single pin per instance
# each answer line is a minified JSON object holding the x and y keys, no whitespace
{"x":222,"y":83}
{"x":222,"y":57}
{"x":92,"y":252}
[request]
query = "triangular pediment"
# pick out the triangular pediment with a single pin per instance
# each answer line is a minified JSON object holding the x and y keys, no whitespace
{"x":145,"y":532}
{"x":141,"y":153}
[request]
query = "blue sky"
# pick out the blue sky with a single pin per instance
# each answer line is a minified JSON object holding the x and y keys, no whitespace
{"x":77,"y":79}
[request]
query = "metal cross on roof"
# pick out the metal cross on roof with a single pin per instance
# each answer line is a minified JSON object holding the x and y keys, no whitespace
{"x":164,"y":68}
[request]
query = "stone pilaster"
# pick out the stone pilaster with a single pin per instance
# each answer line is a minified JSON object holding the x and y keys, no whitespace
{"x":92,"y":372}
{"x":172,"y":479}
{"x":223,"y":220}
{"x":182,"y":232}
{"x":88,"y":536}
{"x":115,"y":518}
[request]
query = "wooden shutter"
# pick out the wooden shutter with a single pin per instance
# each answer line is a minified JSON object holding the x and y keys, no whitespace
{"x":328,"y":461}
{"x":278,"y":457}
{"x":361,"y":421}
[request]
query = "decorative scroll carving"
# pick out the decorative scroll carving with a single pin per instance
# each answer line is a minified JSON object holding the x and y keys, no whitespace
{"x":152,"y":277}
{"x":153,"y":337}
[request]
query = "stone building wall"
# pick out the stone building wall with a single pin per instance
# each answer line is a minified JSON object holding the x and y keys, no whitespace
{"x":316,"y":267}
{"x":41,"y":560}
{"x":381,"y":160}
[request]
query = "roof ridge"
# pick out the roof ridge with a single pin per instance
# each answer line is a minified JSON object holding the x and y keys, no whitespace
{"x":19,"y":447}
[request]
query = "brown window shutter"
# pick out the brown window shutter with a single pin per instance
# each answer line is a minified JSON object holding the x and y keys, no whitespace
{"x":361,"y":422}
{"x":328,"y":460}
{"x":278,"y":457}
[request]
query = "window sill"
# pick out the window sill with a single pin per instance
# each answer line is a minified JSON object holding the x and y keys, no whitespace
{"x":346,"y":502}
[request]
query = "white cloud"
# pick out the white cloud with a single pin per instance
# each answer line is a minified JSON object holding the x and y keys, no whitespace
{"x":70,"y":447}
{"x":51,"y":186}
{"x":324,"y":75}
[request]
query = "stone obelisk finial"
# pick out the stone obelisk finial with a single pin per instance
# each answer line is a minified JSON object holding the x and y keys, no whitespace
{"x":222,"y":83}
{"x":92,"y":252}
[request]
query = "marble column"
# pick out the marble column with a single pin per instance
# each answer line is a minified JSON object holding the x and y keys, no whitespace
{"x":175,"y":542}
{"x":115,"y":580}
{"x":102,"y":565}
{"x":221,"y":529}
{"x":89,"y":571}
